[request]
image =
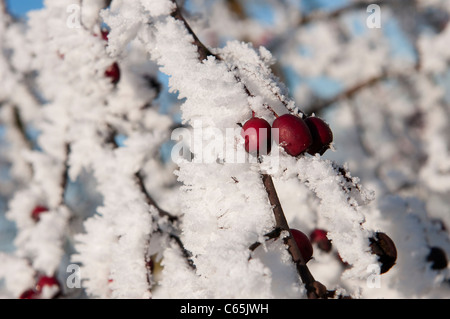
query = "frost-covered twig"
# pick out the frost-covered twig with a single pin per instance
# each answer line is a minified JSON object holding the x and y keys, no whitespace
{"x":149,"y":199}
{"x":202,"y":50}
{"x":314,"y":288}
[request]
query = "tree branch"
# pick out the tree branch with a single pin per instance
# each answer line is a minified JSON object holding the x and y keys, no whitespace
{"x":314,"y":288}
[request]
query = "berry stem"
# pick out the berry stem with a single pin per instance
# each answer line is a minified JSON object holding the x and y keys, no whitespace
{"x":271,"y":110}
{"x":314,"y":288}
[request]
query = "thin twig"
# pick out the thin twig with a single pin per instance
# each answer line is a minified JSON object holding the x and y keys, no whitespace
{"x":314,"y":288}
{"x":318,"y":106}
{"x":327,"y":15}
{"x":149,"y":199}
{"x":65,"y":173}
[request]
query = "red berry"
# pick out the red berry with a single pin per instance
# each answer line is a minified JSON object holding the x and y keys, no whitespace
{"x":319,"y":236}
{"x":46,"y":281}
{"x":104,"y":33}
{"x":37,"y":211}
{"x":257,"y":135}
{"x":29,"y":294}
{"x":303,"y":244}
{"x":321,"y":134}
{"x":293,"y":135}
{"x":113,"y":72}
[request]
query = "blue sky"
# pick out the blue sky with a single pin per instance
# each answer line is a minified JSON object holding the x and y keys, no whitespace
{"x":21,"y":7}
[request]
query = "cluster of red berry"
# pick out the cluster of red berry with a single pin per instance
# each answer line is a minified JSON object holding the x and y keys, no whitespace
{"x":305,"y":243}
{"x":43,"y":281}
{"x":295,"y":135}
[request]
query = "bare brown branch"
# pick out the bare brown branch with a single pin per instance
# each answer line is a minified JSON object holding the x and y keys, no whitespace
{"x":319,"y":105}
{"x":327,"y":15}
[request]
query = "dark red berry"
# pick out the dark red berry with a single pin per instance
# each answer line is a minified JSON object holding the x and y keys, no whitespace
{"x":383,"y":246}
{"x":438,"y":258}
{"x":293,"y":135}
{"x":113,"y":72}
{"x":37,"y":211}
{"x":303,"y":244}
{"x":104,"y":33}
{"x":257,"y":135}
{"x":29,"y":294}
{"x":46,"y":281}
{"x":321,"y":134}
{"x":319,"y":237}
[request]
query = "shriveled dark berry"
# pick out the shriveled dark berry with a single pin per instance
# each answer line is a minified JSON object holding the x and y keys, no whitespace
{"x":438,"y":258}
{"x":383,"y":246}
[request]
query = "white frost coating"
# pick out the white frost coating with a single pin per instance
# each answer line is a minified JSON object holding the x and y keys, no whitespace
{"x":219,"y":231}
{"x":176,"y":270}
{"x":194,"y":78}
{"x":17,"y":273}
{"x":43,"y":242}
{"x":391,"y":131}
{"x":339,"y":211}
{"x":95,"y":259}
{"x":232,"y":215}
{"x":158,"y":7}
